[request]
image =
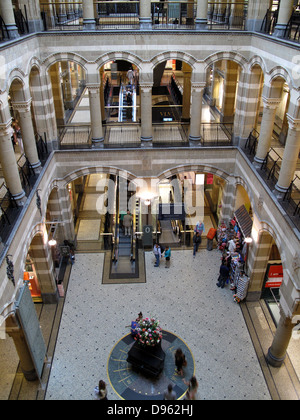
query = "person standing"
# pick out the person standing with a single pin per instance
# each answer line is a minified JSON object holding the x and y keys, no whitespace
{"x":168,"y":256}
{"x":196,"y":242}
{"x":224,"y":275}
{"x":127,"y":223}
{"x":157,"y":254}
{"x":180,"y":361}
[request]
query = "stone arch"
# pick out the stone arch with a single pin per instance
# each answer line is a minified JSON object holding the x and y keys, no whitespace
{"x":192,"y":168}
{"x":57,"y":57}
{"x":280,"y":72}
{"x":240,"y":181}
{"x":226,"y":55}
{"x":119,"y":55}
{"x":89,"y":170}
{"x":173,"y":55}
{"x":257,"y":61}
{"x":16,"y":76}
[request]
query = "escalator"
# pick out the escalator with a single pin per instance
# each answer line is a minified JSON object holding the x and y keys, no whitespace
{"x":127,"y":104}
{"x":124,"y":256}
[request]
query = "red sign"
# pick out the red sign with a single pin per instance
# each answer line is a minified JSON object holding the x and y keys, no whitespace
{"x":209,"y":179}
{"x":275,"y":276}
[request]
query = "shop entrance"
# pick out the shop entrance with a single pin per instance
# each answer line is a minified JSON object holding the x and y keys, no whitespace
{"x":30,"y":277}
{"x":272,"y":282}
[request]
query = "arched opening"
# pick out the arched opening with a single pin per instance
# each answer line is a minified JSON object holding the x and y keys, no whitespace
{"x":39,"y":269}
{"x":68,"y":80}
{"x":272,"y":273}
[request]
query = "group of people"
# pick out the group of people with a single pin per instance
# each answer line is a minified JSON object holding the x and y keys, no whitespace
{"x":159,"y":252}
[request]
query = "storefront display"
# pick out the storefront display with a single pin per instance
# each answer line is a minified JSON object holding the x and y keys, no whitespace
{"x":30,"y":278}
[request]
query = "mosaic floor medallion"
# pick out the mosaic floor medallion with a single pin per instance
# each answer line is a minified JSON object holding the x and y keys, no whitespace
{"x":132,"y":385}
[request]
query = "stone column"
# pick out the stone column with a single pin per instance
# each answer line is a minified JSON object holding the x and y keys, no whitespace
{"x":43,"y":106}
{"x":66,"y":213}
{"x":95,"y":109}
{"x":146,"y":112}
{"x":186,"y":97}
{"x":247,"y":104}
{"x":266,"y":129}
{"x":62,"y":14}
{"x":145,"y":15}
{"x":277,"y":352}
{"x":290,"y":156}
{"x":196,"y":111}
{"x":14,"y":330}
{"x":9,"y":164}
{"x":7,"y":14}
{"x":201,"y":17}
{"x":89,"y":22}
{"x":285,"y":12}
{"x":28,"y":136}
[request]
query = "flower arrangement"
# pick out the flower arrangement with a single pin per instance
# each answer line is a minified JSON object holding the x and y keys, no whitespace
{"x":148,"y":332}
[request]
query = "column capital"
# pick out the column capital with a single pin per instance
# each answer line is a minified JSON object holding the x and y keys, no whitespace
{"x":22,"y":106}
{"x":5,"y":128}
{"x":93,"y":87}
{"x":198,"y":86}
{"x":146,"y":87}
{"x":271,"y":103}
{"x":294,"y":123}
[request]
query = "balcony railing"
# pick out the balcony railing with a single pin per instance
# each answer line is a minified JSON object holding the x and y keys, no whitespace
{"x":164,"y":15}
{"x":292,"y":29}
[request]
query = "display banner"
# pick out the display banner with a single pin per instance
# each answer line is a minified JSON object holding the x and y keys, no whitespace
{"x":27,"y":317}
{"x":275,"y":276}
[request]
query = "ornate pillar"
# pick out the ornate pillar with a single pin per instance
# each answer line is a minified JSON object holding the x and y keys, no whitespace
{"x":146,"y":112}
{"x":290,"y":155}
{"x":9,"y":164}
{"x":95,"y":109}
{"x":285,"y":12}
{"x":277,"y":352}
{"x":201,"y":17}
{"x":196,"y":111}
{"x":145,"y":14}
{"x":266,"y":129}
{"x":89,"y":22}
{"x":7,"y":14}
{"x":28,"y":136}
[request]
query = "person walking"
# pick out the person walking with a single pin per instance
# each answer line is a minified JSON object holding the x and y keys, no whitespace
{"x":180,"y":361}
{"x":101,"y":391}
{"x":170,"y":394}
{"x":157,"y":254}
{"x":192,"y":387}
{"x":196,"y":242}
{"x":168,"y":256}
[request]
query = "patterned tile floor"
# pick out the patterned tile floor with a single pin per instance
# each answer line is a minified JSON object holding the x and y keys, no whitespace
{"x":187,"y":302}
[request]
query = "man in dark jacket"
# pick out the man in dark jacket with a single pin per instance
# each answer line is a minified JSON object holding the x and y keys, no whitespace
{"x":224,"y":274}
{"x":196,"y":242}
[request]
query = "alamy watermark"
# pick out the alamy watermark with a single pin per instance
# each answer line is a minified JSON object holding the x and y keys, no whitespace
{"x":185,"y":196}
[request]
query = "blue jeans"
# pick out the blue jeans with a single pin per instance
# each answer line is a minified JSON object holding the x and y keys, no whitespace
{"x":156,"y":260}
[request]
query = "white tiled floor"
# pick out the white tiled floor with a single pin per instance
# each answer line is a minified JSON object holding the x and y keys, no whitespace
{"x":187,"y":302}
